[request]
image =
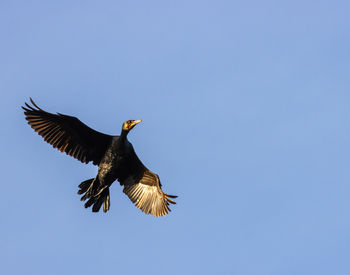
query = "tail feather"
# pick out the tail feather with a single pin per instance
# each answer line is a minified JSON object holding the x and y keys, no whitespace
{"x":96,"y":194}
{"x":107,"y":202}
{"x":84,"y":186}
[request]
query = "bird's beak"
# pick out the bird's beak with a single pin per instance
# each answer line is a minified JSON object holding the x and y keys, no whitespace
{"x":136,"y":122}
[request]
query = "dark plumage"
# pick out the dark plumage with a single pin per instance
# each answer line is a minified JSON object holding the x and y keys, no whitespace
{"x":114,"y":155}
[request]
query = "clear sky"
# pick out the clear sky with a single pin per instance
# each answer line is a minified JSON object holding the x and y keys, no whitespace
{"x":245,"y":109}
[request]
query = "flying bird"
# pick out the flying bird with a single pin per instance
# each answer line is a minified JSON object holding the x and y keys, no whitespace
{"x":114,"y":155}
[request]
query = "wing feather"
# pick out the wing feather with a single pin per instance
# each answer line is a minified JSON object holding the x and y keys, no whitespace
{"x":68,"y":134}
{"x":144,"y":190}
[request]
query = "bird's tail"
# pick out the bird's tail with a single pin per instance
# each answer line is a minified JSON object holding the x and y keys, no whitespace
{"x":96,"y":194}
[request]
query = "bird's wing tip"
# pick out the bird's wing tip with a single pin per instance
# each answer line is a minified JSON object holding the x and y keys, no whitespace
{"x":36,"y":106}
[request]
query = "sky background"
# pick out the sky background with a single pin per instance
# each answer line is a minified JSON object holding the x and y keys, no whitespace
{"x":245,"y":109}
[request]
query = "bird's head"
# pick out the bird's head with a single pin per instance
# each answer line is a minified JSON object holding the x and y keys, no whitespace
{"x":129,"y":124}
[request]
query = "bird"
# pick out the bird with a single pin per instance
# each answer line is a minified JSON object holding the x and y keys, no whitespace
{"x":114,"y":155}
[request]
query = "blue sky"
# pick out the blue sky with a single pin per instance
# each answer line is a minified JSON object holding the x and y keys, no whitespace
{"x":245,"y":109}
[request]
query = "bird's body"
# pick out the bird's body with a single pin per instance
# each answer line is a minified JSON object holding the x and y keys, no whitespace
{"x":112,"y":160}
{"x":114,"y":155}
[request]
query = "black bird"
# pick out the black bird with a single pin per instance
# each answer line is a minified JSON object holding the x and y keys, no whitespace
{"x":114,"y":155}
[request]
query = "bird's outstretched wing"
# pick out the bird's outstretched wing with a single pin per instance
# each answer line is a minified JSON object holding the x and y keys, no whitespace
{"x":68,"y":134}
{"x":143,"y":187}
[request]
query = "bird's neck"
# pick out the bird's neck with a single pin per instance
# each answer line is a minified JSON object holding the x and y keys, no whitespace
{"x":124,"y":134}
